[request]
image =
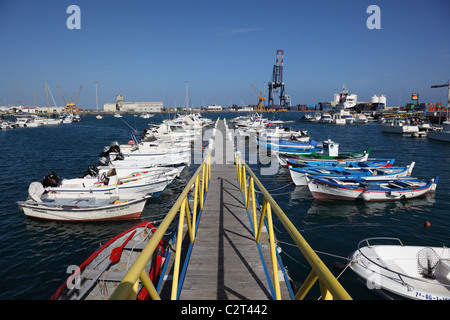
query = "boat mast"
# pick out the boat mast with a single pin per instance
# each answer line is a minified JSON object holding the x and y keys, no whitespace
{"x":48,"y":107}
{"x":96,"y":95}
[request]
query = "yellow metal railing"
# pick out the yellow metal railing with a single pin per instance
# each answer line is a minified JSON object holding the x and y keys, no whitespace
{"x":329,"y":286}
{"x":127,"y":288}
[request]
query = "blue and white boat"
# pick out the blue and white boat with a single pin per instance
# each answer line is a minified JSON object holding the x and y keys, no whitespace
{"x":351,"y":189}
{"x":330,"y":154}
{"x":339,"y":164}
{"x":299,"y":175}
{"x":289,"y":147}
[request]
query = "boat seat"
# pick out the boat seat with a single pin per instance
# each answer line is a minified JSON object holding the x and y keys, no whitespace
{"x":110,"y":276}
{"x":136,"y":245}
{"x":401,"y":184}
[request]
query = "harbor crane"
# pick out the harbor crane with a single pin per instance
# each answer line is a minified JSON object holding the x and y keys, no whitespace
{"x":277,"y":81}
{"x":71,"y":106}
{"x":444,"y":85}
{"x":260,"y":106}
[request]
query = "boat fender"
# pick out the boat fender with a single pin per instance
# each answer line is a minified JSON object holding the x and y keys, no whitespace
{"x":365,"y":196}
{"x":35,"y":191}
{"x":119,"y":202}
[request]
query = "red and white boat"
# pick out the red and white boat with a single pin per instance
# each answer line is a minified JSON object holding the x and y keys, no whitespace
{"x":98,"y":276}
{"x":350,"y":189}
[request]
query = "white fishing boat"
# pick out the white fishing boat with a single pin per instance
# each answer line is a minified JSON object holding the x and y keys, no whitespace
{"x":146,"y":116}
{"x":117,"y":115}
{"x":306,"y":117}
{"x":399,"y":271}
{"x":67,"y":119}
{"x":347,"y":116}
{"x":84,"y":208}
{"x":361,"y":118}
{"x":325,"y":118}
{"x":29,"y":122}
{"x":51,"y":121}
{"x":285,"y":133}
{"x":6,"y":125}
{"x":176,"y":162}
{"x":398,"y":125}
{"x":133,"y":185}
{"x":337,"y":118}
{"x":97,"y":277}
{"x":299,"y":175}
{"x":441,"y":134}
{"x":172,"y":132}
{"x":352,"y":189}
{"x":147,"y":148}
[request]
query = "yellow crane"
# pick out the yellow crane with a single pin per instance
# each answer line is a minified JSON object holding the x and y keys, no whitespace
{"x":260,"y":106}
{"x":70,"y":106}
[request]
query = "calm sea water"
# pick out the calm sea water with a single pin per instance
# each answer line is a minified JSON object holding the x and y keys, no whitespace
{"x":35,"y":254}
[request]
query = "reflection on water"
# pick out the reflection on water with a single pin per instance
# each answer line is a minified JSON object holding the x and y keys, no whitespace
{"x":361,"y":208}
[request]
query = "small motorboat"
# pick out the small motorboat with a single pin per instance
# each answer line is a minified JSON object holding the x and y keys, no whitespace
{"x":351,"y":189}
{"x":330,"y":154}
{"x":298,"y":175}
{"x":339,"y":164}
{"x":132,"y":184}
{"x":399,"y":271}
{"x":85,"y":207}
{"x":326,"y":118}
{"x":291,"y":147}
{"x":98,"y":276}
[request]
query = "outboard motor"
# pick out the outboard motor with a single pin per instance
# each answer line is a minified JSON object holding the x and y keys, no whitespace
{"x":51,"y":179}
{"x":105,"y":152}
{"x":92,"y":171}
{"x":114,"y":147}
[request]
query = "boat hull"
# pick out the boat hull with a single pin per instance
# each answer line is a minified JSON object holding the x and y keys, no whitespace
{"x":326,"y":190}
{"x":304,"y":160}
{"x":299,"y":175}
{"x":106,"y":275}
{"x":391,"y":270}
{"x":56,"y":211}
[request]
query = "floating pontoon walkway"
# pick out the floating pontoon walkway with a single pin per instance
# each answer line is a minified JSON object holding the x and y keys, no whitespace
{"x":226,"y":262}
{"x":223,"y":249}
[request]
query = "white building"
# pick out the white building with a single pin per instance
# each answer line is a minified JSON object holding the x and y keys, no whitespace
{"x":138,"y":107}
{"x":213,"y":107}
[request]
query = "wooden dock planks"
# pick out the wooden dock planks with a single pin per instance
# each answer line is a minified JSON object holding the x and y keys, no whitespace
{"x":225,"y":263}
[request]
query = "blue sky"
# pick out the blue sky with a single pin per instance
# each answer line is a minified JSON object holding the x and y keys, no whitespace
{"x":147,"y":50}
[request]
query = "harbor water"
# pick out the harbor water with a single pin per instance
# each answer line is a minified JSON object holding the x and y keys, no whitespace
{"x":35,"y":255}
